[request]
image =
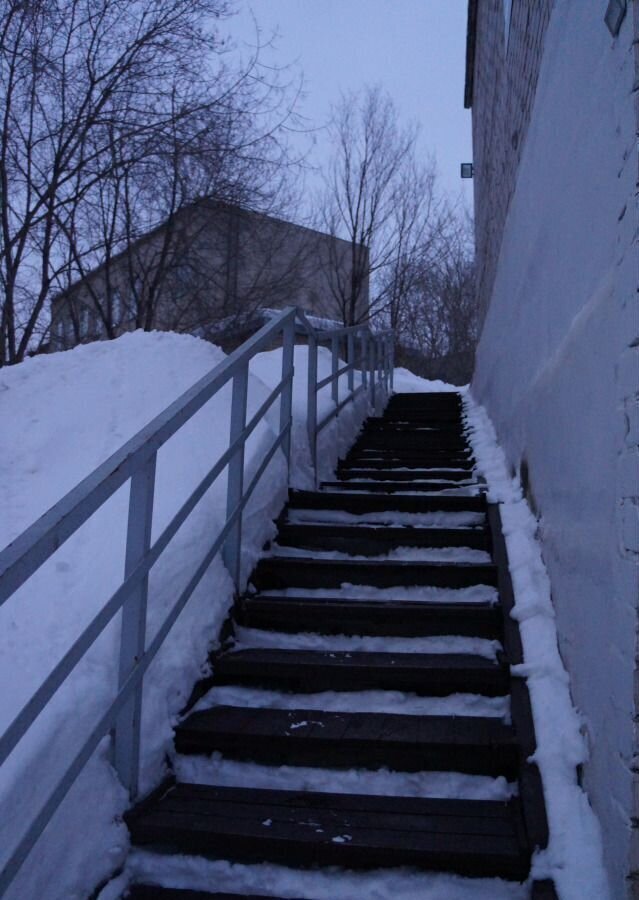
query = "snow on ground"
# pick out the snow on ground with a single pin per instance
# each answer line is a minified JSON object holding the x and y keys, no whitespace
{"x":574,"y":857}
{"x":66,"y":413}
{"x":404,"y":382}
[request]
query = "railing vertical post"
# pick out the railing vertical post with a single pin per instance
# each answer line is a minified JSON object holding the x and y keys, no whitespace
{"x":286,"y":399}
{"x":235,"y":488}
{"x":372,"y":365}
{"x":334,"y":369}
{"x":391,"y":342}
{"x":133,"y":634}
{"x":311,"y":401}
{"x":350,"y":356}
{"x":364,"y":359}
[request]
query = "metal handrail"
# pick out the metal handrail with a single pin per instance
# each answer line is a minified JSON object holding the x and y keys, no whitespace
{"x":136,"y":461}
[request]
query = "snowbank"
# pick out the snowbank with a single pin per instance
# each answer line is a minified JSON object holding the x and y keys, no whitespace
{"x":574,"y":856}
{"x":67,"y":413}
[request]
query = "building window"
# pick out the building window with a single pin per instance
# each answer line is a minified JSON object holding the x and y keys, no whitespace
{"x":84,"y":322}
{"x":116,"y":306}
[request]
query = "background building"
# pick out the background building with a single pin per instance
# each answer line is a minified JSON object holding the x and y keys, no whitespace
{"x":208,"y":271}
{"x":553,"y":91}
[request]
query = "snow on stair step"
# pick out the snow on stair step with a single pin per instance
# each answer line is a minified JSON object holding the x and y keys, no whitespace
{"x":216,"y":769}
{"x":393,"y":518}
{"x":372,"y":700}
{"x":373,"y":540}
{"x":246,"y":880}
{"x":453,"y":643}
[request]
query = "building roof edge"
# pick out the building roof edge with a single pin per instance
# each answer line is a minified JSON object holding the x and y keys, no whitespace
{"x":471,"y":33}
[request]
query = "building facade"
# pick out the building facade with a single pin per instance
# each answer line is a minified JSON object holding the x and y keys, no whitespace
{"x":553,"y":91}
{"x":208,"y":271}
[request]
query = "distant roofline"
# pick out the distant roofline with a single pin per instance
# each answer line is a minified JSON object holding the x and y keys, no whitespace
{"x":471,"y":34}
{"x":203,"y":201}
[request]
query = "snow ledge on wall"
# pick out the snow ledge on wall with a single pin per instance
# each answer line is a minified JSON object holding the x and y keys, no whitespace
{"x":574,"y":856}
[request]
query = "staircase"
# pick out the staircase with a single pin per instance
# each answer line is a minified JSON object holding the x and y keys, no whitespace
{"x":375,"y":636}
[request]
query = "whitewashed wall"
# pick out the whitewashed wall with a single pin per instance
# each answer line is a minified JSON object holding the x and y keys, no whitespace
{"x":558,"y":369}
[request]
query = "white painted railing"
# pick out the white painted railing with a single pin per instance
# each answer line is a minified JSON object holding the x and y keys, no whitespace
{"x":136,"y":461}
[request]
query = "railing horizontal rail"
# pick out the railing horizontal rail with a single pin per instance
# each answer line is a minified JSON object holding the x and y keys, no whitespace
{"x":28,"y":551}
{"x":331,"y":378}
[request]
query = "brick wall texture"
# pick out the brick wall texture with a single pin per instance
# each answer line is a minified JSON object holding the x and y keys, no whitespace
{"x":505,"y":80}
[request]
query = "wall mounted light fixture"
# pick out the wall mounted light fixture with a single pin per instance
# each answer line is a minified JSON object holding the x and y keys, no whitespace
{"x":467,"y":170}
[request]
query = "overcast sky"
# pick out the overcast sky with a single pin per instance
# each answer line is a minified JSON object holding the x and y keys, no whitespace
{"x":413,"y":48}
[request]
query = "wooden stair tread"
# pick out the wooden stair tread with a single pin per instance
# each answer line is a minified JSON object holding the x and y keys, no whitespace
{"x":354,"y":831}
{"x":347,"y":473}
{"x":346,"y":739}
{"x":308,"y":671}
{"x":388,"y":486}
{"x":276,"y":572}
{"x":387,"y":458}
{"x":335,"y":536}
{"x":154,"y":892}
{"x":409,"y":618}
{"x":371,"y":502}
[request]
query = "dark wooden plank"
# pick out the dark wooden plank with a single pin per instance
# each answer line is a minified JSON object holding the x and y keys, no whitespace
{"x":154,"y":892}
{"x":308,"y":671}
{"x":386,"y":458}
{"x":414,"y":424}
{"x":370,"y":540}
{"x":370,"y":502}
{"x":415,"y":441}
{"x":278,"y":572}
{"x":304,"y":828}
{"x":349,"y":472}
{"x":328,"y":615}
{"x":389,"y":487}
{"x":482,"y":746}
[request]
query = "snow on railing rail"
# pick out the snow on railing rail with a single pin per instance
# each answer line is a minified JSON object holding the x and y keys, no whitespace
{"x":136,"y":461}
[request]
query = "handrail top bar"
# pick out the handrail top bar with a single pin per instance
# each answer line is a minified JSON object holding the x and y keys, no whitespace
{"x":20,"y":558}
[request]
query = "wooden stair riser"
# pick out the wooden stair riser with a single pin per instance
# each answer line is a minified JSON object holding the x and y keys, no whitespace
{"x":361,"y":617}
{"x":363,"y":503}
{"x":437,"y":675}
{"x":362,"y":540}
{"x":277,"y":573}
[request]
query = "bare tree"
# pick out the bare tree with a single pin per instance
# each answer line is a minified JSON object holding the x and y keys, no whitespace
{"x":114,"y":116}
{"x":380,"y":200}
{"x":439,"y":324}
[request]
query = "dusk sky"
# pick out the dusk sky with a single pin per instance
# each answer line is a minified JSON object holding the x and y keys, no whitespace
{"x":414,"y":48}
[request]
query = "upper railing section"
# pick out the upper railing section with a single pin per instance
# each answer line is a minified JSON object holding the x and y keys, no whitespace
{"x":366,"y":353}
